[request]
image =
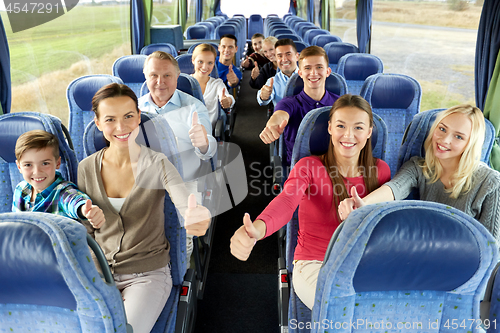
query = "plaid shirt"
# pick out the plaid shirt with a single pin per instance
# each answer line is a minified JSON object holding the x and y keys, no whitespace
{"x":61,"y":197}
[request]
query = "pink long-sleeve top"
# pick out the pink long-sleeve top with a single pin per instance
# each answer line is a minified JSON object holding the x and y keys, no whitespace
{"x":310,"y":187}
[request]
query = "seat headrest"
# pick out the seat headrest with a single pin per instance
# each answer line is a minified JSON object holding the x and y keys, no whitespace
{"x":359,"y":66}
{"x":85,"y":89}
{"x":130,"y":68}
{"x":30,"y":272}
{"x":392,"y":92}
{"x":320,"y":138}
{"x":12,"y":128}
{"x":185,"y":63}
{"x":336,"y":50}
{"x":423,"y":242}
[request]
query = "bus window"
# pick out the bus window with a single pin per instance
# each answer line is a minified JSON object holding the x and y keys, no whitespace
{"x":46,"y":58}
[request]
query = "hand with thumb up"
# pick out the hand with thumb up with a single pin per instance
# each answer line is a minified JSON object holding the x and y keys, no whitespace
{"x":198,"y":134}
{"x":93,"y":214}
{"x":350,"y":204}
{"x":196,"y":218}
{"x":255,"y":70}
{"x":266,"y":91}
{"x":245,"y":238}
{"x":225,"y":100}
{"x":231,"y":76}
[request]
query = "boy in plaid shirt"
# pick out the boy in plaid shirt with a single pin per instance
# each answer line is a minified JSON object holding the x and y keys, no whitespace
{"x":43,"y":188}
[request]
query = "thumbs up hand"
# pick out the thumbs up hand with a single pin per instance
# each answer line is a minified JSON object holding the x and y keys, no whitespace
{"x":225,"y":101}
{"x":196,"y":218}
{"x":244,"y":239}
{"x":265,"y":92}
{"x":273,"y":130}
{"x":198,"y":134}
{"x":246,"y":63}
{"x":350,"y":204}
{"x":231,"y":76}
{"x":93,"y":214}
{"x":255,"y":70}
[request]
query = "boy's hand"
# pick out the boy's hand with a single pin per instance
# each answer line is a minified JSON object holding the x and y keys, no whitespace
{"x":93,"y":214}
{"x":197,"y":218}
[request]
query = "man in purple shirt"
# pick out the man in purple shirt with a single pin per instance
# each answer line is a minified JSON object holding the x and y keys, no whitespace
{"x":289,"y":112}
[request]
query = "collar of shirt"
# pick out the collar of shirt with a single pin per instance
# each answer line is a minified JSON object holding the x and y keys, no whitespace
{"x":327,"y":99}
{"x":175,"y":100}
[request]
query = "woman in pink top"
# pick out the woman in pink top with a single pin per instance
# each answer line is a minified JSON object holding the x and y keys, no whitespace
{"x":317,"y":184}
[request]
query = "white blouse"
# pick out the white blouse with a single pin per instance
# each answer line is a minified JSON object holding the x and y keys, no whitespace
{"x":212,"y":96}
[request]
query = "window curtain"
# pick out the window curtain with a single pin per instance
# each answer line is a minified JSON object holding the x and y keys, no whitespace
{"x":364,"y":10}
{"x":183,"y":13}
{"x":487,"y":71}
{"x":310,"y":10}
{"x":138,"y":25}
{"x":293,"y":8}
{"x":5,"y":84}
{"x":199,"y":10}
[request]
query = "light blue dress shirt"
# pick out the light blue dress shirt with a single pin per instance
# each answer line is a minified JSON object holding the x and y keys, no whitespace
{"x":179,"y":113}
{"x":279,"y":85}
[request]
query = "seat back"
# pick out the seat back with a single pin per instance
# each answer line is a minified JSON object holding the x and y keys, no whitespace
{"x":48,"y":279}
{"x":79,"y":95}
{"x":294,"y":37}
{"x":395,"y":98}
{"x":334,"y":83}
{"x":165,"y":47}
{"x":311,"y":33}
{"x":210,"y":26}
{"x":255,"y":25}
{"x":418,"y":130}
{"x":356,"y":67}
{"x":336,"y":50}
{"x":193,"y":46}
{"x":129,"y":69}
{"x":198,"y":32}
{"x":12,"y":125}
{"x":415,"y":264}
{"x":186,"y":65}
{"x":322,"y":40}
{"x":300,"y":45}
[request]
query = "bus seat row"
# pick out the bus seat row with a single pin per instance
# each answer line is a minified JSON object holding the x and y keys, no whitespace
{"x":312,"y":139}
{"x":204,"y":29}
{"x":165,"y":47}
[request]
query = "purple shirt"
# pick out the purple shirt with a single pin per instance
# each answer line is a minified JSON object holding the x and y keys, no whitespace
{"x":297,"y":107}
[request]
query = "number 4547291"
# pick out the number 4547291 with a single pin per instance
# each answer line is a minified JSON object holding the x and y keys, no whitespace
{"x":470,"y":323}
{"x":32,"y":7}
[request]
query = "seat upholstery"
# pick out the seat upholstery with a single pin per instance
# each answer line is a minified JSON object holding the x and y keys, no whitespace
{"x":79,"y":95}
{"x":255,"y":25}
{"x":130,"y":69}
{"x":322,"y":40}
{"x":12,"y":125}
{"x":395,"y":98}
{"x":356,"y":67}
{"x":405,"y":263}
{"x":48,"y":281}
{"x":165,"y":47}
{"x":198,"y":31}
{"x":335,"y":51}
{"x":186,"y":65}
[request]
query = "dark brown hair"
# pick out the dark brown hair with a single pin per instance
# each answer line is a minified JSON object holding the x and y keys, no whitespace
{"x":366,"y":162}
{"x":112,"y":90}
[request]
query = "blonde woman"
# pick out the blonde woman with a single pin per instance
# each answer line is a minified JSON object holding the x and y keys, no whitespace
{"x":451,"y":172}
{"x":261,"y":74}
{"x":214,"y":90}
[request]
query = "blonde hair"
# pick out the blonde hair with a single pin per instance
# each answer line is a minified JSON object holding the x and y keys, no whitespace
{"x":162,"y":56}
{"x":203,"y":48}
{"x":271,"y":40}
{"x":36,"y":139}
{"x":312,"y":51}
{"x":461,"y":180}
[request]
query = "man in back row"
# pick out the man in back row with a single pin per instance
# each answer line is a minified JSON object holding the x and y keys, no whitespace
{"x":289,"y":112}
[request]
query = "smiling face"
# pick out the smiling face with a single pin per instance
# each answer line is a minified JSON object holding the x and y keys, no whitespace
{"x":350,"y":129}
{"x":257,"y":44}
{"x":450,"y":138}
{"x":287,"y":59}
{"x":269,"y":51}
{"x":204,"y":63}
{"x":38,"y":167}
{"x":227,"y":49}
{"x":118,"y":120}
{"x":314,"y":70}
{"x":161,"y":77}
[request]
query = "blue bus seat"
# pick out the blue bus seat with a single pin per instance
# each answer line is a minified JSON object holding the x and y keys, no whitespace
{"x":420,"y":265}
{"x":12,"y":125}
{"x":255,"y":25}
{"x":322,"y":40}
{"x":396,"y":98}
{"x":313,"y":139}
{"x":165,"y":47}
{"x":130,"y":69}
{"x":157,"y":135}
{"x":335,"y":51}
{"x":198,"y":31}
{"x":300,"y":46}
{"x":79,"y":95}
{"x":294,"y":37}
{"x":186,"y":65}
{"x":311,"y":33}
{"x":215,"y":45}
{"x":49,"y":281}
{"x":356,"y":67}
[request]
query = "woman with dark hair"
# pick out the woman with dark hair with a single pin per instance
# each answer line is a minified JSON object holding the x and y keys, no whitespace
{"x":317,"y":184}
{"x":129,"y":181}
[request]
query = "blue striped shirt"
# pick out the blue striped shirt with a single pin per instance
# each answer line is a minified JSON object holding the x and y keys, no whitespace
{"x":61,"y":198}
